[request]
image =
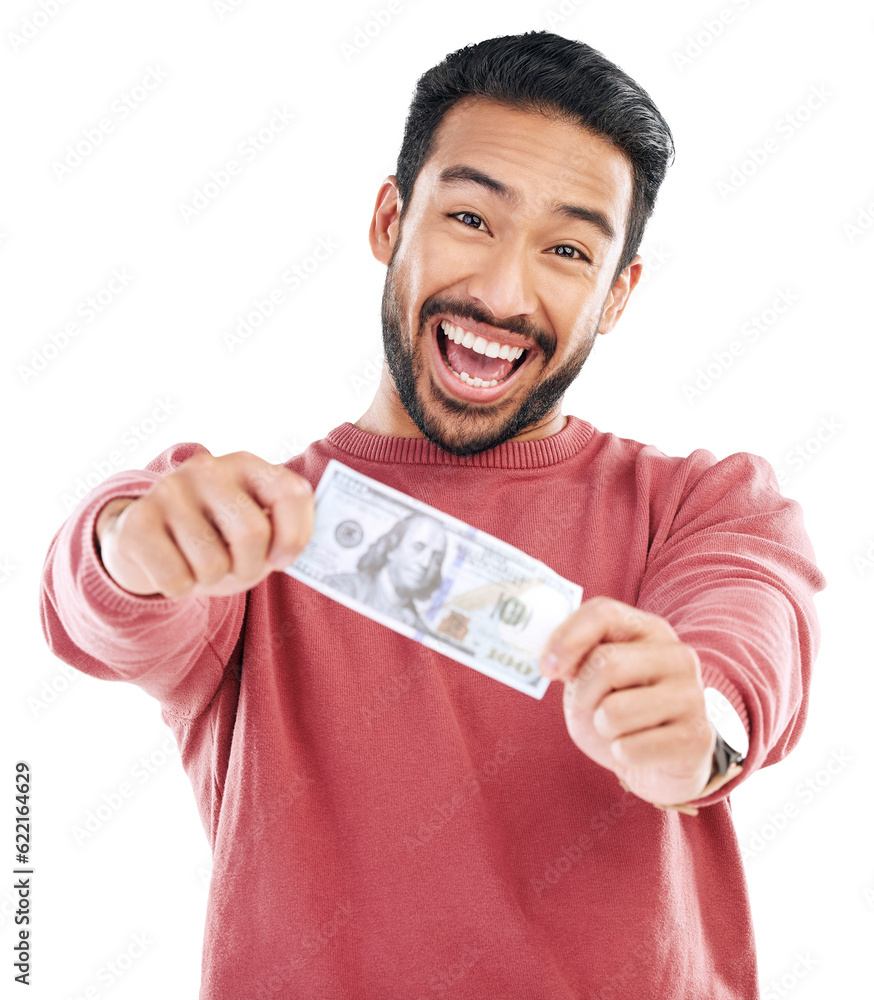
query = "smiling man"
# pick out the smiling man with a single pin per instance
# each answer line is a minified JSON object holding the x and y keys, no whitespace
{"x":511,"y":262}
{"x":386,"y":822}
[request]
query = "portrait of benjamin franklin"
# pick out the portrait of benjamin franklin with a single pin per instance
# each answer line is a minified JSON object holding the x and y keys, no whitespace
{"x":402,"y":566}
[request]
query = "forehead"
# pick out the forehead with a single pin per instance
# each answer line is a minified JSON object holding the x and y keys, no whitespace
{"x":544,"y":158}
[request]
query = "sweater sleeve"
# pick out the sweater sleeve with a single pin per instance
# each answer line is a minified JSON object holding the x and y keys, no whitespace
{"x":733,"y":572}
{"x":175,"y":650}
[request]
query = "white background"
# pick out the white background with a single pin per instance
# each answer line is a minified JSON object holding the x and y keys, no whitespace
{"x":717,"y":261}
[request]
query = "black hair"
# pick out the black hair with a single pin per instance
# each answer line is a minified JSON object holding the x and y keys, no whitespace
{"x":541,"y":71}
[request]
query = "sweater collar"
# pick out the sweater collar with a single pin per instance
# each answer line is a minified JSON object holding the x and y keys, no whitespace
{"x":571,"y":439}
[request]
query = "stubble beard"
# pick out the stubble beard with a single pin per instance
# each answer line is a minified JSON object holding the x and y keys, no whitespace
{"x":455,"y":425}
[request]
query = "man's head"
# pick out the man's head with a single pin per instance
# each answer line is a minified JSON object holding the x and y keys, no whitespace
{"x":528,"y":170}
{"x":412,"y":553}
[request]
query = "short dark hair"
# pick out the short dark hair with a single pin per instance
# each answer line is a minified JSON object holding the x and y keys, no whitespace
{"x":541,"y":71}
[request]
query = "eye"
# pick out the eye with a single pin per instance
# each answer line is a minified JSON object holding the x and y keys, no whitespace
{"x":463,"y":217}
{"x":569,"y":256}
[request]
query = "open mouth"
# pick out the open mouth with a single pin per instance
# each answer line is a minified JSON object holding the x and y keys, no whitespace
{"x":476,"y":361}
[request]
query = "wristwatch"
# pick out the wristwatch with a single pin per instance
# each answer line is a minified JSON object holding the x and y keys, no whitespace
{"x":729,"y":754}
{"x":732,"y":742}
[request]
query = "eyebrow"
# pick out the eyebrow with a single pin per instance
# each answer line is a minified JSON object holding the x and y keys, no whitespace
{"x":463,"y":172}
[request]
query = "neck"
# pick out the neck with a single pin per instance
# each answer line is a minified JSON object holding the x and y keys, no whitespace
{"x":387,"y":417}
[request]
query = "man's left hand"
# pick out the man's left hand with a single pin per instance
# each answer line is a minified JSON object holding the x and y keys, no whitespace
{"x":634,"y":699}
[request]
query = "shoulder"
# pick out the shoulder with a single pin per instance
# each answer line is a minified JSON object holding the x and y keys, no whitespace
{"x":654,"y":470}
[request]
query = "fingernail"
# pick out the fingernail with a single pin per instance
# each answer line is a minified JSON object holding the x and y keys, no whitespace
{"x":549,"y":664}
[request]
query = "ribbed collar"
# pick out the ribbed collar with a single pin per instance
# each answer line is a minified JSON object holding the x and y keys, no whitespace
{"x":565,"y":444}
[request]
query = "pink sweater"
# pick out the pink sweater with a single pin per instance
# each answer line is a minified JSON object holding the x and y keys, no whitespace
{"x":388,"y":823}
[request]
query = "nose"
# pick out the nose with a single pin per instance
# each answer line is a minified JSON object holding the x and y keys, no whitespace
{"x":503,"y":281}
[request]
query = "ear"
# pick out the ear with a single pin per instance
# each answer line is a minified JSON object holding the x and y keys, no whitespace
{"x":386,"y":219}
{"x":619,"y":294}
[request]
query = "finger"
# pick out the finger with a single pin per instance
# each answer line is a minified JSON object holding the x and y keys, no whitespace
{"x":600,"y":619}
{"x":158,"y":558}
{"x":617,"y":666}
{"x":202,"y":546}
{"x":270,"y":483}
{"x":676,"y":747}
{"x":244,"y":527}
{"x":287,"y":500}
{"x":620,"y":713}
{"x":292,"y":520}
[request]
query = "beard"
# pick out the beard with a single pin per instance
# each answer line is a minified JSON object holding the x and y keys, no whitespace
{"x":455,"y":425}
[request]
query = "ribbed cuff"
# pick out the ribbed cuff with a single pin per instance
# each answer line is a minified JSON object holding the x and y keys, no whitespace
{"x":92,"y":577}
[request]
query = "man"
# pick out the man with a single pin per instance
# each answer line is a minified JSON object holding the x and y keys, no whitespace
{"x":401,"y":566}
{"x":386,"y":822}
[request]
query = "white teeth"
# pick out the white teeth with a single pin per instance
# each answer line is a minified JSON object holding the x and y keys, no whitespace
{"x":477,"y":382}
{"x":490,"y":348}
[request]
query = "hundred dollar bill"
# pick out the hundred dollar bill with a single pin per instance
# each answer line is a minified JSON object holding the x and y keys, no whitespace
{"x":433,"y":578}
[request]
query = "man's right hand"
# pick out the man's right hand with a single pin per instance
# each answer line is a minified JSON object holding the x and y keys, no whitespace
{"x":215,"y":526}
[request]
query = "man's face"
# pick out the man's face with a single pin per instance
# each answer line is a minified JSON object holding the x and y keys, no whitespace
{"x":418,"y":557}
{"x":507,"y":270}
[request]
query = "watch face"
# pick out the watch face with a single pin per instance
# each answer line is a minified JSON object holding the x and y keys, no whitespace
{"x":726,"y":721}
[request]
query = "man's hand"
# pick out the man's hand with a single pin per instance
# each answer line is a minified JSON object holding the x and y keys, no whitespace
{"x":215,"y":526}
{"x":634,"y":699}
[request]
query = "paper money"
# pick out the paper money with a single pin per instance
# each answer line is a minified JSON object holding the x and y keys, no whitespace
{"x":430,"y":576}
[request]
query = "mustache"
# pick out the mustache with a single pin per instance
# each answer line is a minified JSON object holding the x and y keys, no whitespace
{"x":469,"y":310}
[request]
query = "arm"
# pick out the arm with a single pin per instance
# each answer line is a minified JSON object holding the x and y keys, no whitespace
{"x":725,"y":602}
{"x":175,"y":649}
{"x":734,"y":575}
